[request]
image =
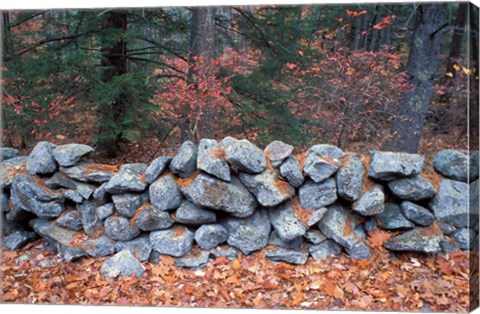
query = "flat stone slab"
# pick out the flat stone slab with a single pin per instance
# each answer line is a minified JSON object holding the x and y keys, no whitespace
{"x":246,"y":157}
{"x":388,"y":166}
{"x":90,"y":172}
{"x":297,"y":257}
{"x":69,"y":154}
{"x":327,"y":151}
{"x":129,"y":178}
{"x":424,"y":240}
{"x":413,"y":189}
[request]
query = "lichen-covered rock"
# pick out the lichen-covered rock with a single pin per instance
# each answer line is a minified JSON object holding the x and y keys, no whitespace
{"x":297,"y":257}
{"x":193,"y":259}
{"x":371,"y":202}
{"x":451,"y":204}
{"x":319,"y":169}
{"x":210,"y":236}
{"x":392,"y":218}
{"x":286,"y":222}
{"x":151,"y":219}
{"x":325,"y":249}
{"x":120,"y":228}
{"x":121,"y":264}
{"x":277,"y":152}
{"x":128,"y":203}
{"x":190,"y":214}
{"x":18,"y":239}
{"x":391,"y":165}
{"x":99,"y":247}
{"x":88,"y":214}
{"x":315,"y":236}
{"x":290,"y":169}
{"x":212,"y":159}
{"x":420,"y":239}
{"x":69,"y":154}
{"x":268,"y":189}
{"x":316,"y":195}
{"x":105,"y":211}
{"x":465,"y":238}
{"x":86,"y":171}
{"x":165,"y":193}
{"x":452,"y":164}
{"x":246,"y":157}
{"x":231,"y":197}
{"x":156,"y":168}
{"x":327,"y":151}
{"x":414,"y":189}
{"x":176,"y":241}
{"x":60,"y":180}
{"x":70,"y":220}
{"x":41,"y":160}
{"x":289,"y":245}
{"x":8,"y":153}
{"x":474,"y":165}
{"x":185,"y":161}
{"x":417,"y":214}
{"x":350,"y":179}
{"x":248,"y":234}
{"x":129,"y":178}
{"x":140,"y":247}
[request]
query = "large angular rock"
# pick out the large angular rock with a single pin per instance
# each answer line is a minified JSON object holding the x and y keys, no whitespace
{"x":452,"y":164}
{"x":391,"y":165}
{"x":165,"y":193}
{"x":327,"y":151}
{"x":414,"y":189}
{"x":40,"y":160}
{"x":120,"y":228}
{"x":156,"y":168}
{"x":185,"y":161}
{"x":371,"y":202}
{"x":319,"y":169}
{"x":315,"y":236}
{"x":99,"y":247}
{"x":290,"y":169}
{"x":140,"y":247}
{"x":86,"y":171}
{"x":268,"y":189}
{"x":130,"y":178}
{"x":70,"y":220}
{"x":69,"y":154}
{"x":360,"y":251}
{"x":8,"y":153}
{"x":176,"y":241}
{"x":246,"y":157}
{"x":100,"y":195}
{"x":417,"y":214}
{"x":316,"y":195}
{"x":212,"y":193}
{"x":73,"y":196}
{"x":392,"y":218}
{"x":325,"y":250}
{"x":151,"y":219}
{"x":190,"y":214}
{"x":316,"y":216}
{"x":212,"y":159}
{"x":193,"y":259}
{"x":128,"y":203}
{"x":286,"y":223}
{"x":424,"y":240}
{"x":297,"y":257}
{"x":350,"y":179}
{"x":88,"y":214}
{"x":9,"y":170}
{"x":18,"y":239}
{"x":248,"y":234}
{"x":465,"y":238}
{"x":289,"y":245}
{"x":451,"y":204}
{"x":121,"y":264}
{"x":277,"y":152}
{"x":210,"y":236}
{"x":105,"y":211}
{"x":474,"y":166}
{"x":36,"y":188}
{"x":60,"y":180}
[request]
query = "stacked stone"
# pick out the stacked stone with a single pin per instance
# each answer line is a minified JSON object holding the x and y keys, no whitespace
{"x":320,"y":203}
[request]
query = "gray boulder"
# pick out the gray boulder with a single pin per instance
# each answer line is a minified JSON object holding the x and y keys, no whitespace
{"x":360,"y":251}
{"x":417,"y":214}
{"x":286,"y":223}
{"x":140,"y":247}
{"x":474,"y":165}
{"x":319,"y":169}
{"x":451,"y":204}
{"x":391,"y":165}
{"x":371,"y":202}
{"x":229,"y":252}
{"x":4,"y":203}
{"x":392,"y":218}
{"x":70,"y":220}
{"x":327,"y":151}
{"x":314,"y":236}
{"x":268,"y":189}
{"x":176,"y":241}
{"x":99,"y":247}
{"x":277,"y":152}
{"x":452,"y":164}
{"x":18,"y":239}
{"x":211,"y":159}
{"x":85,"y":171}
{"x":465,"y":238}
{"x":69,"y":154}
{"x":350,"y":179}
{"x":122,"y":264}
{"x":128,"y":203}
{"x":8,"y":153}
{"x":297,"y":257}
{"x":120,"y":228}
{"x":34,"y":187}
{"x":9,"y":170}
{"x":185,"y":161}
{"x":73,"y":196}
{"x":325,"y":250}
{"x":193,"y":259}
{"x":165,"y":193}
{"x":414,"y":189}
{"x":290,"y":169}
{"x":316,"y":195}
{"x":60,"y":180}
{"x":419,"y":239}
{"x":151,"y":219}
{"x":227,"y":141}
{"x":130,"y":178}
{"x":248,"y":234}
{"x":316,"y":216}
{"x":40,"y":160}
{"x":88,"y":214}
{"x":156,"y":168}
{"x":246,"y":157}
{"x":289,"y":245}
{"x":210,"y":236}
{"x":100,"y":195}
{"x":190,"y":214}
{"x":105,"y":211}
{"x":231,"y":197}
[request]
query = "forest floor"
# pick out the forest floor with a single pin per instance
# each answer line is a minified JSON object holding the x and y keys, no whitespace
{"x":405,"y":282}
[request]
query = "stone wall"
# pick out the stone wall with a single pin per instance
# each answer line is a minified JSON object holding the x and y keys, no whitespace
{"x":221,"y":198}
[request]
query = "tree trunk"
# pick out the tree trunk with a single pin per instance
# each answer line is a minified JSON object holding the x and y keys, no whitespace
{"x":457,"y":37}
{"x":473,"y":78}
{"x":114,"y":63}
{"x":422,"y":61}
